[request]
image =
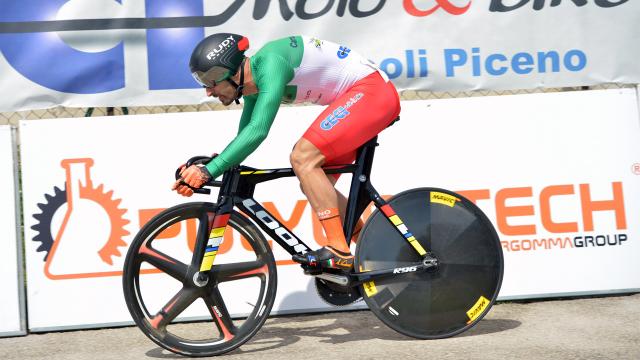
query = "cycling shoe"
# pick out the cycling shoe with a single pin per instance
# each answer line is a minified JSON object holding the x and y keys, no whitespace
{"x":325,"y":258}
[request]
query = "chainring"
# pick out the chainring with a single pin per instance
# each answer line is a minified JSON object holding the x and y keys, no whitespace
{"x":337,"y":295}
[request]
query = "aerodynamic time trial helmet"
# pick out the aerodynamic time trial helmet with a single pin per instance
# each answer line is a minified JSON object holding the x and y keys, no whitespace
{"x":217,"y":58}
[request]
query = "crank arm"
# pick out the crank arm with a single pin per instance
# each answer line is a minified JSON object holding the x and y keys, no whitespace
{"x":337,"y":279}
{"x":358,"y":278}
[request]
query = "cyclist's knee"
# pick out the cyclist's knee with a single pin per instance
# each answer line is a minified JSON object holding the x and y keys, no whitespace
{"x":305,"y":156}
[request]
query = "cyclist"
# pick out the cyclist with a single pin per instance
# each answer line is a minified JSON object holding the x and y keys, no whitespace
{"x":361,"y":102}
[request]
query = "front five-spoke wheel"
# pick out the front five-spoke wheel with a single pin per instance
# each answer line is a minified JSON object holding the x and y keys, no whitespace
{"x":164,"y":288}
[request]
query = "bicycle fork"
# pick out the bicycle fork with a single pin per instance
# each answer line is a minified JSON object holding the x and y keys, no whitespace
{"x":207,"y":246}
{"x":216,"y":235}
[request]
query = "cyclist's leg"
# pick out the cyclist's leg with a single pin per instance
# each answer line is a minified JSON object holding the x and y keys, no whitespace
{"x":307,"y":160}
{"x":351,"y":120}
{"x":342,"y":200}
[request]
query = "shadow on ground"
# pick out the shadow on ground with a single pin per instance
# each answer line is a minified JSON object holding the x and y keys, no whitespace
{"x":335,"y":328}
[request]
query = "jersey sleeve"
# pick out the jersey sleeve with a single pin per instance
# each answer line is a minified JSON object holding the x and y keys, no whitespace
{"x":271,"y":75}
{"x":247,"y":110}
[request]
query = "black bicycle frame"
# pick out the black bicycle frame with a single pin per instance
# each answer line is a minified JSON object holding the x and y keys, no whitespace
{"x":238,"y":185}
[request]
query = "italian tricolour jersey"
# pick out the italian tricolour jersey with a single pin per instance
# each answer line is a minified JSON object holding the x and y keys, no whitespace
{"x":325,"y":70}
{"x":292,"y":69}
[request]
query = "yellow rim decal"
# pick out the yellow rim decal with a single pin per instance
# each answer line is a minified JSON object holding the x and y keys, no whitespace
{"x":444,"y":199}
{"x":370,"y":288}
{"x":477,"y":309}
{"x":246,"y":172}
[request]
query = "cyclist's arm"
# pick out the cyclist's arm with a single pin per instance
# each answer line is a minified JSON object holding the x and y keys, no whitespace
{"x":271,"y":77}
{"x":249,"y":105}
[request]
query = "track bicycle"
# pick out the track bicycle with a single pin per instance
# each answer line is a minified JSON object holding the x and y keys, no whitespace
{"x":428,"y":262}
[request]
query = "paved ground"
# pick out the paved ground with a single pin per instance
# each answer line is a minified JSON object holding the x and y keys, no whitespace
{"x":594,"y":328}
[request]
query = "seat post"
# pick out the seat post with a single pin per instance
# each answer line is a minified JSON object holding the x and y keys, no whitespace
{"x":358,"y":195}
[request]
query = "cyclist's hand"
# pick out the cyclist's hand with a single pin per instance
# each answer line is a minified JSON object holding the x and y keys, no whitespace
{"x":183,"y":190}
{"x":195,"y":176}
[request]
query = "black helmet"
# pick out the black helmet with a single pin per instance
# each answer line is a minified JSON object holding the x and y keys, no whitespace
{"x":217,"y":58}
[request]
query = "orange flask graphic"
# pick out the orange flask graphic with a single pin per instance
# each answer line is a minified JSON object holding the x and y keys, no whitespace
{"x":91,"y":230}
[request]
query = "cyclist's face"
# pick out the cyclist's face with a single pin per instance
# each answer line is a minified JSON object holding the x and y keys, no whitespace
{"x":223,"y":91}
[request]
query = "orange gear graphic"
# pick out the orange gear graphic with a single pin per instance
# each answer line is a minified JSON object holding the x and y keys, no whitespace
{"x":50,"y":241}
{"x":116,"y":218}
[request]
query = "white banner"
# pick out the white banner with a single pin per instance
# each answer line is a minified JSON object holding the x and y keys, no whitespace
{"x":11,"y":305}
{"x":75,"y":253}
{"x":557,"y":173}
{"x":140,"y":56}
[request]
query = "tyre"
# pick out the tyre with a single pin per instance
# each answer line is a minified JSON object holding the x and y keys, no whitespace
{"x":440,"y":302}
{"x":167,"y":299}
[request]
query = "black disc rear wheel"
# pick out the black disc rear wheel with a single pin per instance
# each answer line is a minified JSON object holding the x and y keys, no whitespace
{"x":454,"y":296}
{"x":168,"y":298}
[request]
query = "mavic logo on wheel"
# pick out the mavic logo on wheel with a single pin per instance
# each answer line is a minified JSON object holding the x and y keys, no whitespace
{"x":477,"y":308}
{"x":274,"y":225}
{"x":403,"y":270}
{"x":73,"y":249}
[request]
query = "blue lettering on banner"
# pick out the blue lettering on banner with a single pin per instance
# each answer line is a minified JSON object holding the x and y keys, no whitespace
{"x":339,"y":113}
{"x":520,"y":63}
{"x":461,"y":62}
{"x":168,"y":49}
{"x":47,"y":60}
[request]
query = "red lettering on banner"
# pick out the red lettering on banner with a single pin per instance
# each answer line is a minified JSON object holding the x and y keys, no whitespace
{"x":503,"y":211}
{"x":446,"y":5}
{"x":503,"y":215}
{"x":545,"y":209}
{"x":590,"y":206}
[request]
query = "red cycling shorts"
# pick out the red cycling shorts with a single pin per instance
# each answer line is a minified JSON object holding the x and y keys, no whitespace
{"x":354,"y":118}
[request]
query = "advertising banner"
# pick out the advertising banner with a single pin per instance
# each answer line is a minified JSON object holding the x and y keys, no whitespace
{"x":107,"y":177}
{"x":556,"y":173}
{"x":11,"y":279}
{"x":135,"y":52}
